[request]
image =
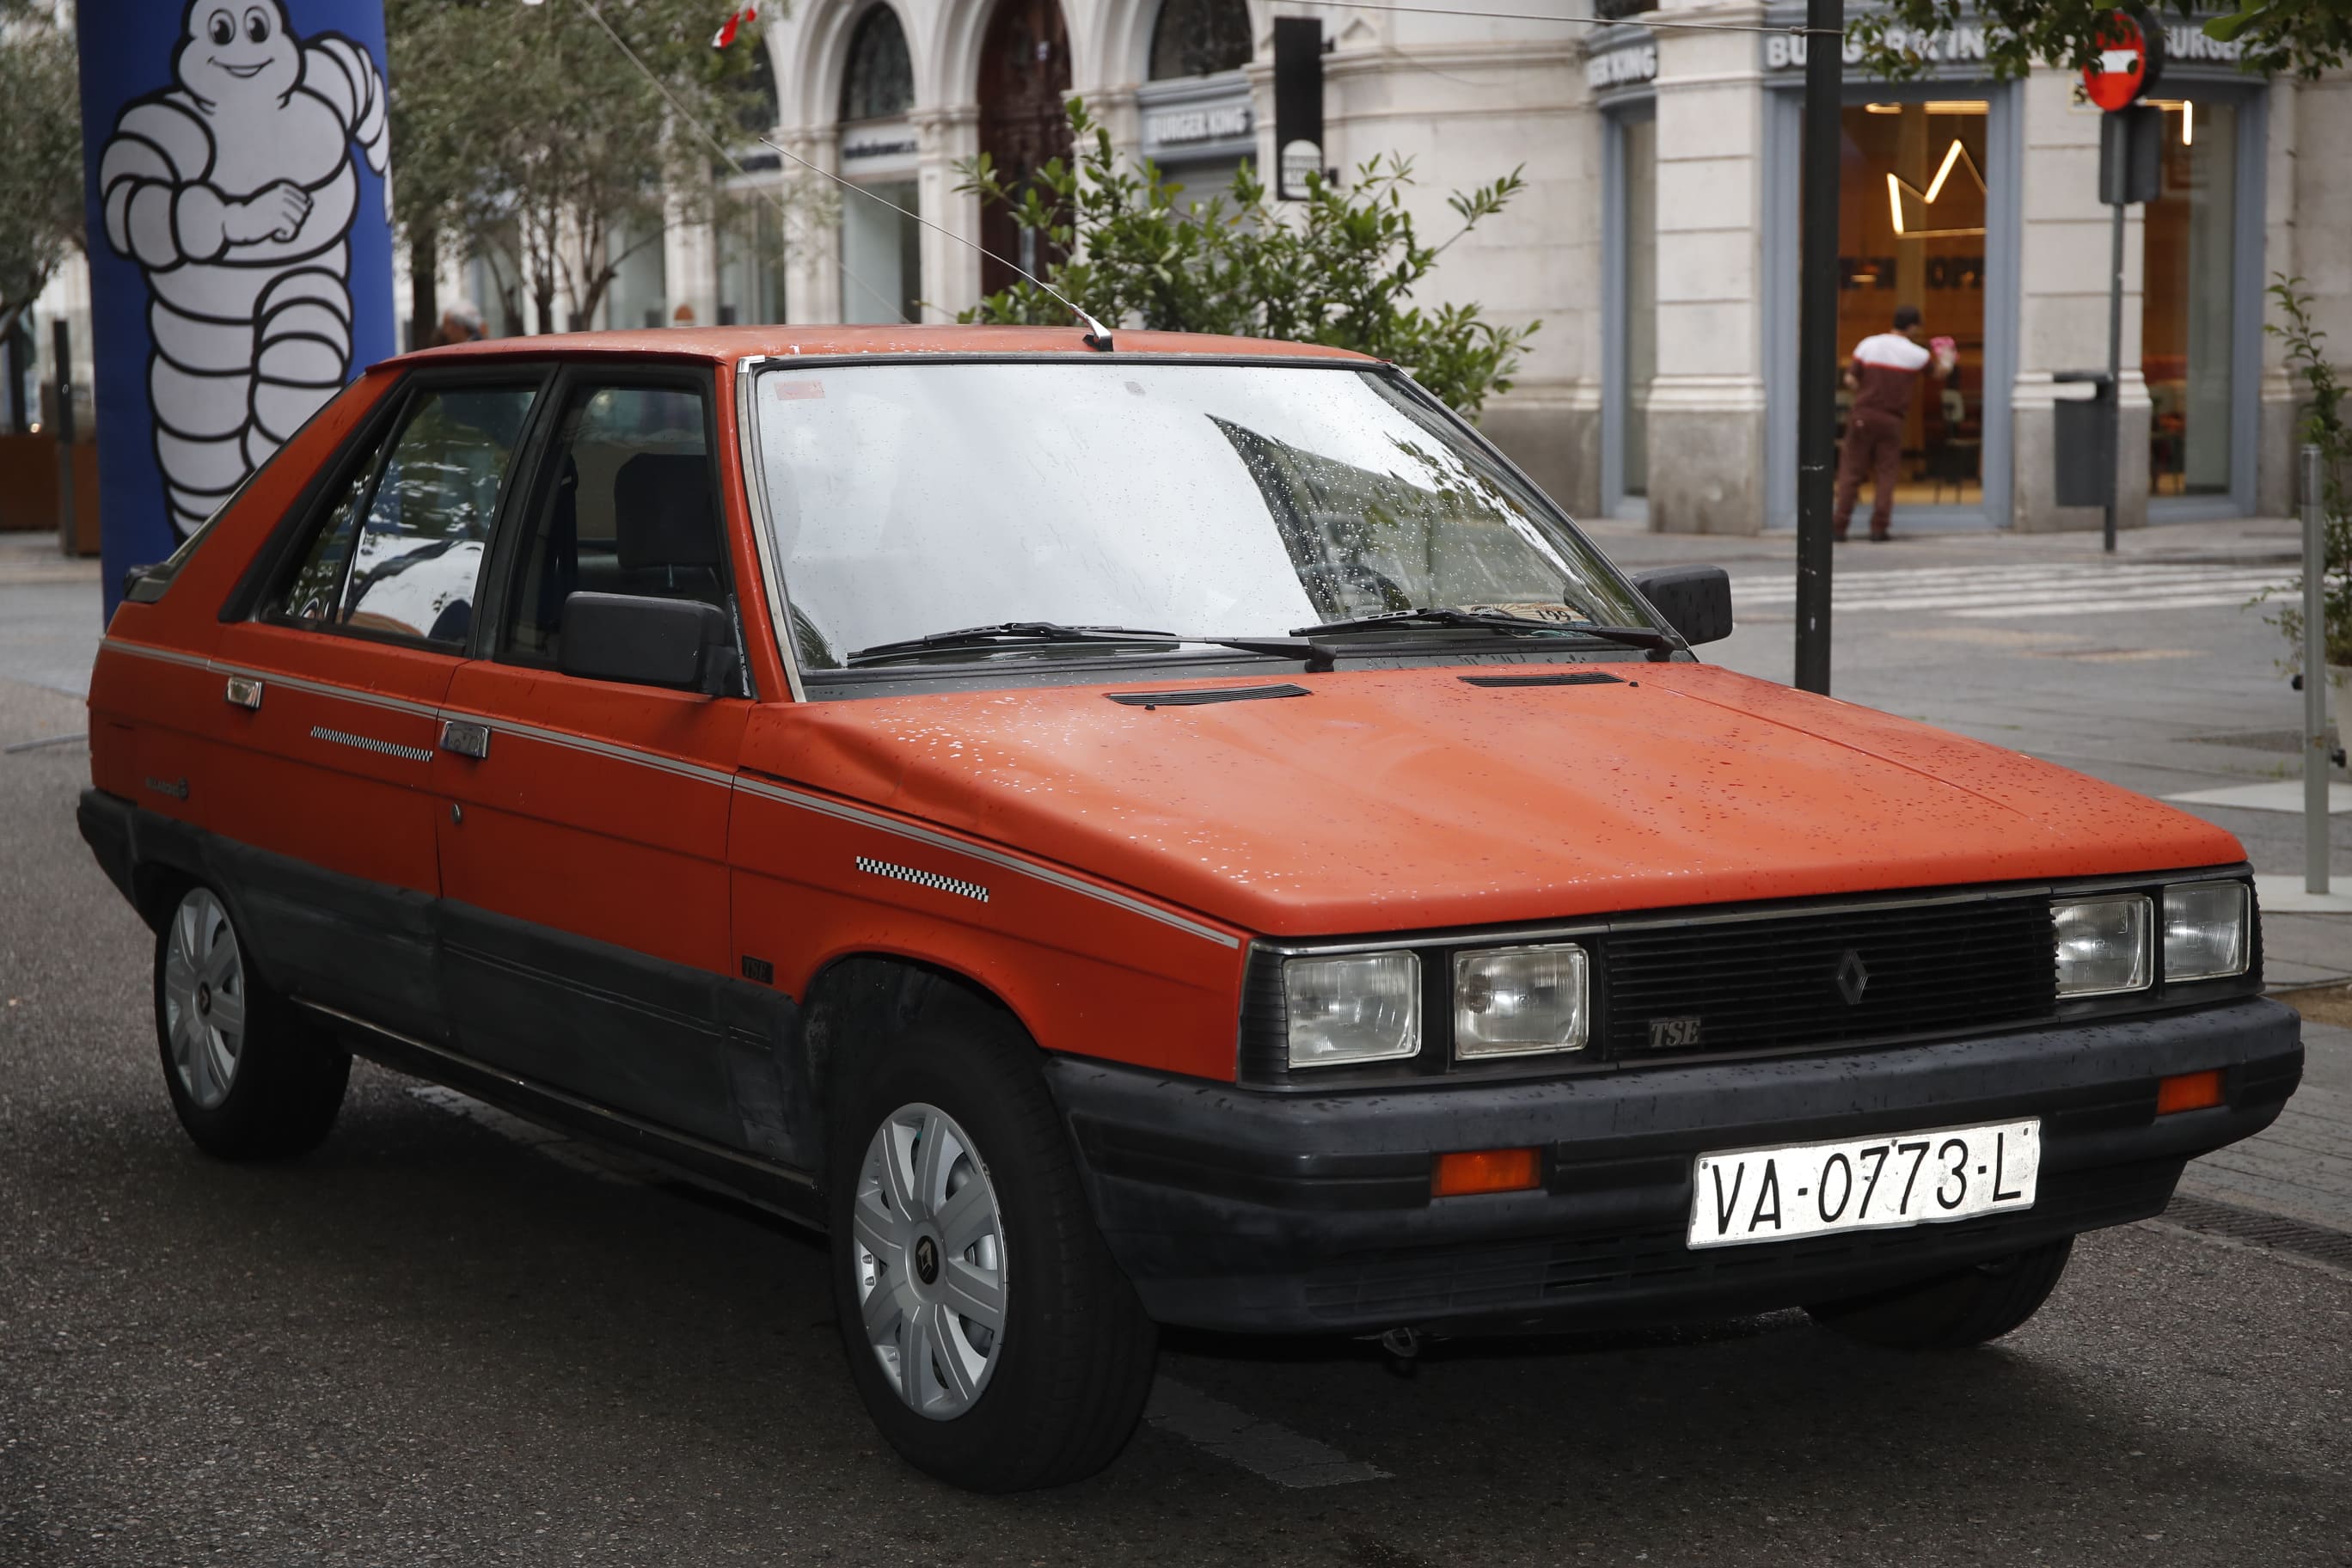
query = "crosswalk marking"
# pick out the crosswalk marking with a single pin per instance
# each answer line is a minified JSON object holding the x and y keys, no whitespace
{"x":2013,"y":592}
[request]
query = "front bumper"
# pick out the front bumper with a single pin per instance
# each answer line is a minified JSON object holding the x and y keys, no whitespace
{"x":1285,"y":1213}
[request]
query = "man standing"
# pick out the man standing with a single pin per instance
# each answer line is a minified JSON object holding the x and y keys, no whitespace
{"x":1885,"y":381}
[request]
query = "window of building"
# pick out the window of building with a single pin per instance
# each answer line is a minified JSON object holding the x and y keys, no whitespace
{"x":1912,"y":221}
{"x":1200,"y":37}
{"x":1638,"y":169}
{"x":2188,"y":327}
{"x":880,"y":82}
{"x":399,"y":549}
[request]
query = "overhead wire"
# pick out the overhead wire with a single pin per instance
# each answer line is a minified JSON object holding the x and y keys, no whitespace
{"x":783,"y":213}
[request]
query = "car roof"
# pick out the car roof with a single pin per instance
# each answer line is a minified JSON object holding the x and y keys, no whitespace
{"x":730,"y":343}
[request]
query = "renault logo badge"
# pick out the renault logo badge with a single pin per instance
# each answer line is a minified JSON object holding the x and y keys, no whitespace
{"x":1853,"y":976}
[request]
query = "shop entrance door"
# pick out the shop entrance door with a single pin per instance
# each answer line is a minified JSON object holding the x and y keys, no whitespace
{"x":1926,"y":218}
{"x":1024,"y":76}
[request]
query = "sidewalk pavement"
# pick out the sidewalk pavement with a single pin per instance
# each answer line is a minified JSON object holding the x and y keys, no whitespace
{"x":2231,"y":541}
{"x":48,"y":614}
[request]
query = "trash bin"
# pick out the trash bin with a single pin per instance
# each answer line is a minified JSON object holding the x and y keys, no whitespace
{"x":2080,"y":439}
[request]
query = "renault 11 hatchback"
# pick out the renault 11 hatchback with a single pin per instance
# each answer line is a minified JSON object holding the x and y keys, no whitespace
{"x":1185,"y":834}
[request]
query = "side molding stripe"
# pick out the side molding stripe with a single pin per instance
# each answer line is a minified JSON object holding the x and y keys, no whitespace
{"x":839,"y":810}
{"x":844,"y":812}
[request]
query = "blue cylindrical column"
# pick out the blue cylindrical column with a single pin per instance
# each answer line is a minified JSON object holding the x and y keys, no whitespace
{"x":240,"y":242}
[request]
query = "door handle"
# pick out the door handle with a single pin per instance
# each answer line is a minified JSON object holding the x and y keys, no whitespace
{"x":467,"y":740}
{"x":242,"y":691}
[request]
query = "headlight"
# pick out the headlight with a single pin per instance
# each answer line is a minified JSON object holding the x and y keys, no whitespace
{"x":1511,"y":1001}
{"x":2205,"y":931}
{"x":1352,"y":1008}
{"x":2103,"y":945}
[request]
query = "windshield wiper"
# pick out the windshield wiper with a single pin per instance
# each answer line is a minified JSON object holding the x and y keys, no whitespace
{"x":1030,"y":634}
{"x":1493,"y":620}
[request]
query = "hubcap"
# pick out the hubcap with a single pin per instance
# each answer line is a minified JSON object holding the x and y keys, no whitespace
{"x":927,"y":1245}
{"x":204,"y":997}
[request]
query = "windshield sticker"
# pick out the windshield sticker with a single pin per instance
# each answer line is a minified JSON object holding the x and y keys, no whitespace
{"x":788,"y":391}
{"x":1563,"y":613}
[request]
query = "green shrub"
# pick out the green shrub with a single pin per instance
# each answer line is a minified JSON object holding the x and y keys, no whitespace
{"x":1338,"y":269}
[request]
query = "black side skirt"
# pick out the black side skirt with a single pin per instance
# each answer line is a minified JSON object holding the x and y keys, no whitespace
{"x":781,"y":1189}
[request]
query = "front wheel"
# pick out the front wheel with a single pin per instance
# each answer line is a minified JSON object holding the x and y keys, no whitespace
{"x":248,"y":1078}
{"x":991,"y":1335}
{"x":1952,"y":1311}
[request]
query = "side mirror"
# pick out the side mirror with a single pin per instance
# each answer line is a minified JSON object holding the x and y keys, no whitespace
{"x":680,"y":643}
{"x":1695,"y":600}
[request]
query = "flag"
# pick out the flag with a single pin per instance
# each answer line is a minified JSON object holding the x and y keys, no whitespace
{"x":736,"y":21}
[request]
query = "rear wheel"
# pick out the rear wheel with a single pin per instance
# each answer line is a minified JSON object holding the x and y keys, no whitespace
{"x":247,"y":1077}
{"x":1952,"y":1311}
{"x":991,"y":1335}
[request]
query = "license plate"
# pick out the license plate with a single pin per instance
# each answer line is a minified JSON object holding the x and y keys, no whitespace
{"x":1745,"y":1196}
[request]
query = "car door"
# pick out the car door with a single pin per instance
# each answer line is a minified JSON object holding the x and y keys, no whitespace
{"x":333,"y":686}
{"x":586,"y":922}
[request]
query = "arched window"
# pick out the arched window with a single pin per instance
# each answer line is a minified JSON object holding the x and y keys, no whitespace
{"x":881,"y":81}
{"x":1198,"y":38}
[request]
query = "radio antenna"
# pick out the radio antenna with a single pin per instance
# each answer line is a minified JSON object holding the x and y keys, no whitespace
{"x":1098,"y":336}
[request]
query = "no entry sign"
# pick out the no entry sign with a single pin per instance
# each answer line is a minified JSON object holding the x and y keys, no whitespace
{"x":2126,"y":69}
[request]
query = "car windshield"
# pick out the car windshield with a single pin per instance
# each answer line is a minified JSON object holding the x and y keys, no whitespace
{"x":1209,"y":500}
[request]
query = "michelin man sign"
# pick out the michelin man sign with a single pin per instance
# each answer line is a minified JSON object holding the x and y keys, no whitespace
{"x":240,"y":241}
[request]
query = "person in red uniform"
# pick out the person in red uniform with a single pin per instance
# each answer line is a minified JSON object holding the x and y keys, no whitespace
{"x":1885,"y":381}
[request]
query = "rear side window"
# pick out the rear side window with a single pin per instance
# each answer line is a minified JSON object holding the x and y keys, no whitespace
{"x":633,"y":509}
{"x":399,"y":549}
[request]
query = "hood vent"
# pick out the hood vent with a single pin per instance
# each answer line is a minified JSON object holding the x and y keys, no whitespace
{"x":1199,"y":698}
{"x":1579,"y":678}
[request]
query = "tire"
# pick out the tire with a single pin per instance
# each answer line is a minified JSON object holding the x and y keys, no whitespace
{"x":1051,"y":1393}
{"x":1952,"y":1311}
{"x":249,"y":1079}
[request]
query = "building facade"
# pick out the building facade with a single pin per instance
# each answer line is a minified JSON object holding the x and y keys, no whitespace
{"x":1657,"y":240}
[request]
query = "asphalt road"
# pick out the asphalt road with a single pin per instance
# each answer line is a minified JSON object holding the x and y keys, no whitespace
{"x":432,"y":1343}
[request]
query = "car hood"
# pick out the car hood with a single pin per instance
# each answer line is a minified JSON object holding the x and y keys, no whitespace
{"x":1408,"y":799}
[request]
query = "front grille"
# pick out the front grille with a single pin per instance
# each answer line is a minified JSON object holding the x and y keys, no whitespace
{"x":1774,"y":984}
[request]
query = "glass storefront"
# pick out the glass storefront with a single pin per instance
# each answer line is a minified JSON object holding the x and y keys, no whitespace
{"x":1912,"y":222}
{"x":1638,"y":149}
{"x":881,"y":250}
{"x":751,"y":259}
{"x":881,"y":253}
{"x":2186,"y":322}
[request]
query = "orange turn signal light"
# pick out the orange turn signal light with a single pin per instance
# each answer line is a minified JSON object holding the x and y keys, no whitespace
{"x":1485,"y":1170}
{"x":2188,"y":1092}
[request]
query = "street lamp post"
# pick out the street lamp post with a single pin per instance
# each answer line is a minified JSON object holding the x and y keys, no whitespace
{"x":1817,"y":347}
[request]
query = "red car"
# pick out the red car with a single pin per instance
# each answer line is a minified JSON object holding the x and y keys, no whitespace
{"x":1185,"y":834}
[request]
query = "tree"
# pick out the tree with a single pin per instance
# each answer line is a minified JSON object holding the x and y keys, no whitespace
{"x":2326,"y":426}
{"x":2297,"y":37}
{"x":40,"y":171}
{"x":554,"y":148}
{"x":1339,"y":270}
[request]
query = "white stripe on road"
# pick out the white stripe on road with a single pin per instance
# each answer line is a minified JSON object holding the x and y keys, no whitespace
{"x":2095,"y":607}
{"x":2001,"y":594}
{"x":1262,"y":1447}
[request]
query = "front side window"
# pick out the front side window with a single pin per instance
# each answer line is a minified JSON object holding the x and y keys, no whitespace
{"x":401,"y":544}
{"x":1214,"y":501}
{"x":633,"y":509}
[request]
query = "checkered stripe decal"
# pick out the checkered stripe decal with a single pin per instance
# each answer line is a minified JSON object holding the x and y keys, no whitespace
{"x":370,"y":744}
{"x":930,"y":879}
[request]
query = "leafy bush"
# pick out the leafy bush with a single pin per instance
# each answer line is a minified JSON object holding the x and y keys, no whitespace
{"x":2322,"y":426}
{"x":1338,"y":268}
